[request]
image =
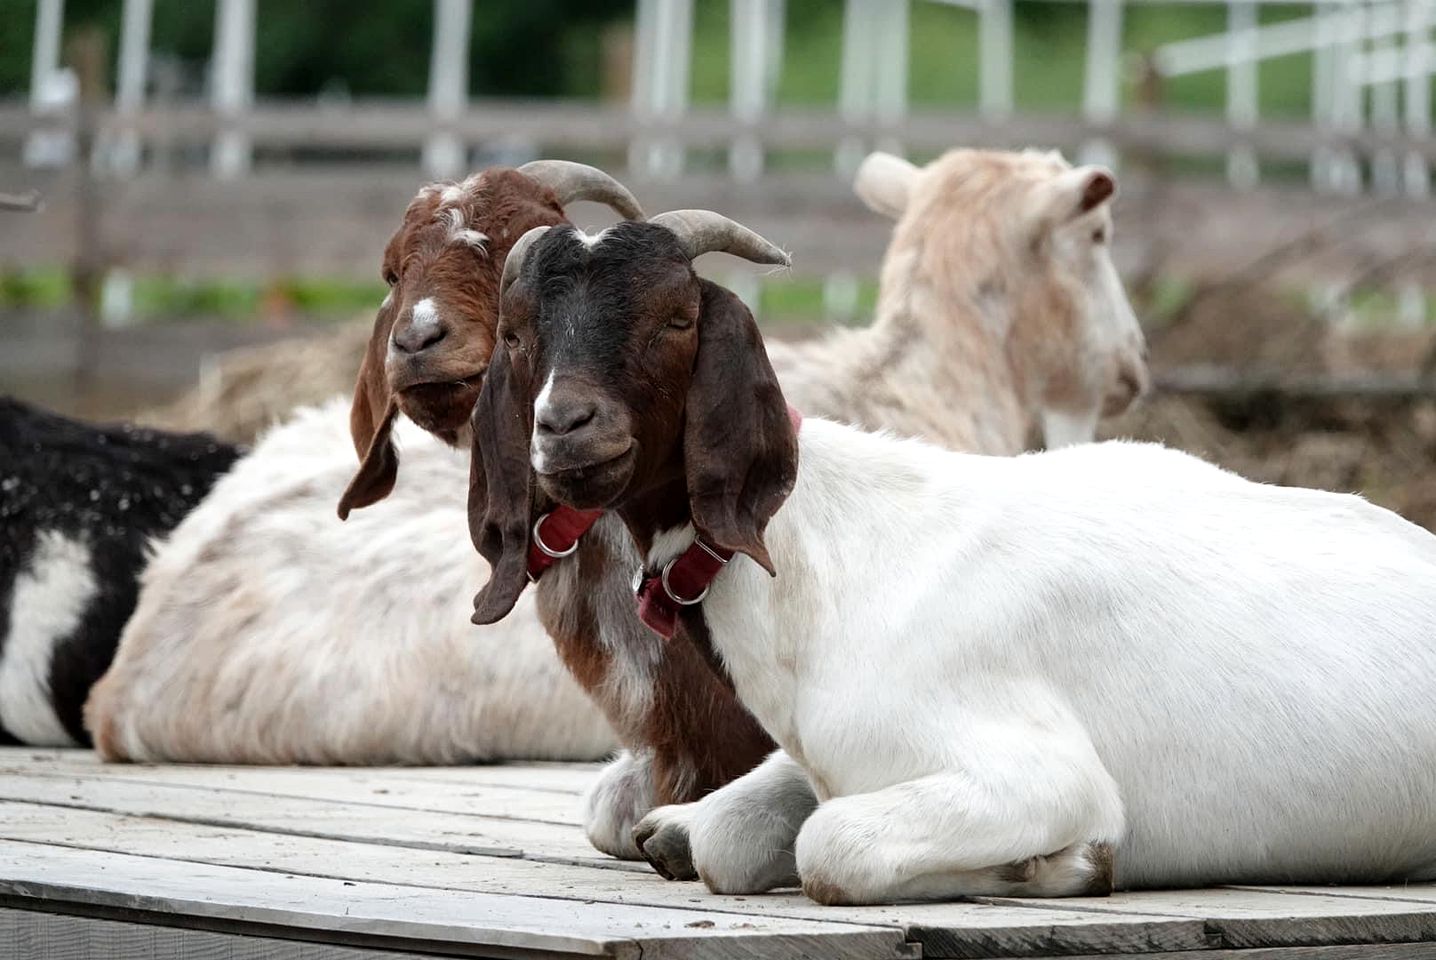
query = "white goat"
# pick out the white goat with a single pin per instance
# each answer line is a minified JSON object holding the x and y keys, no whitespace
{"x":268,"y":632}
{"x":1108,"y":665}
{"x":1044,"y":660}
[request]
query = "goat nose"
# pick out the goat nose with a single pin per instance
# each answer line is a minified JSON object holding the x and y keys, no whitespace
{"x":419,"y":335}
{"x":558,"y":418}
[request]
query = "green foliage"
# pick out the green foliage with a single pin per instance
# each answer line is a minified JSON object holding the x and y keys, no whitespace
{"x":554,"y":47}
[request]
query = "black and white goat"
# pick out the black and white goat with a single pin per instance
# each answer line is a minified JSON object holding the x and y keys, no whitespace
{"x":78,"y":505}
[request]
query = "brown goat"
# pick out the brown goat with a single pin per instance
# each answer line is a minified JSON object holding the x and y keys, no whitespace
{"x":435,"y":330}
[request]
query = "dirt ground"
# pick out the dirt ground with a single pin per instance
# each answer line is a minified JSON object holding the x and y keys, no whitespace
{"x":1381,"y":447}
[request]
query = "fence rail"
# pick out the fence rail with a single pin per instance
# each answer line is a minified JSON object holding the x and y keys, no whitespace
{"x":391,"y":125}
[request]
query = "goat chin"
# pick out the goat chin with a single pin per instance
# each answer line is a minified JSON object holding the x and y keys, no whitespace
{"x":325,"y":642}
{"x":1167,"y":674}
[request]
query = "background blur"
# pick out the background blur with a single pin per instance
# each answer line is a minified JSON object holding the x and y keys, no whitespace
{"x":224,"y":173}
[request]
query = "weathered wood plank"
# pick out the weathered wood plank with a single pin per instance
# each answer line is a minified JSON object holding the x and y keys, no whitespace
{"x":1256,"y":917}
{"x":56,"y":936}
{"x":1365,"y":951}
{"x":389,"y":789}
{"x":535,"y":775}
{"x":440,"y":917}
{"x":316,"y":817}
{"x":961,"y":929}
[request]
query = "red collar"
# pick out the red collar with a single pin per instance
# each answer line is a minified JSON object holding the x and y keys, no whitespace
{"x":684,"y":580}
{"x":555,"y":535}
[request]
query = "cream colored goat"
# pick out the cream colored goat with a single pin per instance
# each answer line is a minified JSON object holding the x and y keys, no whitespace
{"x":999,"y":309}
{"x":269,"y":632}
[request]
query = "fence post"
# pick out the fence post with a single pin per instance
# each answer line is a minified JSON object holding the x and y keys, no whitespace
{"x":232,"y":86}
{"x":661,"y":73}
{"x":444,"y":151}
{"x":52,"y":88}
{"x":1242,"y":97}
{"x":1102,"y":92}
{"x":994,"y":26}
{"x":130,"y":76}
{"x":1383,"y":77}
{"x":1417,"y":99}
{"x":752,"y":78}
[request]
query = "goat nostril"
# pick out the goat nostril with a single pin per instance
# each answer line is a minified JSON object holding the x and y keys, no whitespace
{"x":559,"y":420}
{"x":416,"y":338}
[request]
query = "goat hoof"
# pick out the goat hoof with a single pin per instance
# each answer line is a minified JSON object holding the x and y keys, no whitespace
{"x":666,"y":849}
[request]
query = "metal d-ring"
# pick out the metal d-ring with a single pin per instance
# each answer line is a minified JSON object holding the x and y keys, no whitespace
{"x":668,"y":588}
{"x":544,"y":548}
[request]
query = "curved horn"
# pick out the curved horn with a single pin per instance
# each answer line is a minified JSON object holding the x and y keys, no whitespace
{"x":703,"y":231}
{"x":578,"y":181}
{"x":514,"y":262}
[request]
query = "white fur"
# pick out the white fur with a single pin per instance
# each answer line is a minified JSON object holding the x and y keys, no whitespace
{"x":616,"y":801}
{"x":589,"y":240}
{"x":460,"y":233}
{"x":267,"y":631}
{"x":541,"y":403}
{"x":979,"y":661}
{"x":425,"y":313}
{"x":46,"y":605}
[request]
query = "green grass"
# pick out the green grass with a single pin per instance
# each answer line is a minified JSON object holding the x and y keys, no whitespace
{"x":160,"y":298}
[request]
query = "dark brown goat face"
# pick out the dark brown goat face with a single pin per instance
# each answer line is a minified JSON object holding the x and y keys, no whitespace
{"x":607,"y":360}
{"x":434,"y":332}
{"x":620,"y":372}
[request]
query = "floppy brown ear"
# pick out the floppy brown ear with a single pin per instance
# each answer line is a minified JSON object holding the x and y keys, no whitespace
{"x":379,"y":468}
{"x":371,"y":419}
{"x":740,"y":450}
{"x":500,"y":488}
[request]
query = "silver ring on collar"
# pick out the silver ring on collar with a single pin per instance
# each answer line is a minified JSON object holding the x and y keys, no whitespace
{"x":668,"y":588}
{"x":545,"y":548}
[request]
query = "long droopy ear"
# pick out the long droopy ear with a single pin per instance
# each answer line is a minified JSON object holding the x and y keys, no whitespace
{"x":371,"y":420}
{"x":377,"y":471}
{"x":501,"y":487}
{"x":740,"y":449}
{"x":885,"y":182}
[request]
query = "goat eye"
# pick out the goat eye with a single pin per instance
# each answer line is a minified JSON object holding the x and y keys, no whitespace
{"x":680,"y":322}
{"x":512,"y":339}
{"x":391,"y":278}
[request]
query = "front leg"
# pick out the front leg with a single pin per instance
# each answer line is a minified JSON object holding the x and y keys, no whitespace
{"x":738,"y":839}
{"x":618,"y":799}
{"x":1028,"y":812}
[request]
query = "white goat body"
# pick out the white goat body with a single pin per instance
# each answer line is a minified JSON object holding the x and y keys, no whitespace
{"x":268,"y":632}
{"x":993,"y":671}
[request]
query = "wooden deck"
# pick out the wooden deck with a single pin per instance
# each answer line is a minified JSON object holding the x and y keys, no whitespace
{"x":342,"y":864}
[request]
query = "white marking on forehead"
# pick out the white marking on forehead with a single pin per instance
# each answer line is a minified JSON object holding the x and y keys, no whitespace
{"x":589,"y":241}
{"x":453,"y":193}
{"x":425,"y":312}
{"x":459,"y":232}
{"x":545,"y":396}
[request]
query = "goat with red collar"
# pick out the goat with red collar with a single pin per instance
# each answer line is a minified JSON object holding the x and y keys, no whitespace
{"x":1107,"y":666}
